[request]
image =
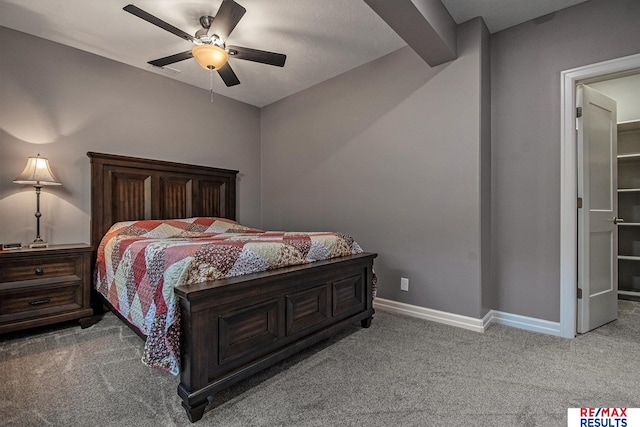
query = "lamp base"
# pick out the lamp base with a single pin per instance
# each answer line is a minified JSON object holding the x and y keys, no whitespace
{"x":37,"y":245}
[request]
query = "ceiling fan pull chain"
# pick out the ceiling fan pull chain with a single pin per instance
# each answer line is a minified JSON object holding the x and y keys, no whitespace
{"x":211,"y":83}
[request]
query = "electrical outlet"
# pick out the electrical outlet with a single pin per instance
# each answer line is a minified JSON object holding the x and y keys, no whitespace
{"x":404,"y":284}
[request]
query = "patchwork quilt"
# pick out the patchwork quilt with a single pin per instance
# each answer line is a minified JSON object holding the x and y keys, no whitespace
{"x":139,"y":263}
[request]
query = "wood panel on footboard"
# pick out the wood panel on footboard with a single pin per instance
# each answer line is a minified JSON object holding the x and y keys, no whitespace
{"x":234,"y":328}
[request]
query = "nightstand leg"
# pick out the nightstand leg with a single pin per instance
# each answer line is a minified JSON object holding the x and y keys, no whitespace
{"x":85,"y":322}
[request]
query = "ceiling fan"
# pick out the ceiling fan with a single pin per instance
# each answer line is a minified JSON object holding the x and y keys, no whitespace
{"x":211,"y":51}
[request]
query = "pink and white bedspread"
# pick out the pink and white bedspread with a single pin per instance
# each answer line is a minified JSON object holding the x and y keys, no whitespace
{"x":139,"y":263}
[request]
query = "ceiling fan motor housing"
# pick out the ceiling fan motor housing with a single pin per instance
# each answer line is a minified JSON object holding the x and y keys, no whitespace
{"x":206,"y":21}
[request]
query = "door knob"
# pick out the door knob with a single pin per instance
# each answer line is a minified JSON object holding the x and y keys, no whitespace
{"x":617,"y":220}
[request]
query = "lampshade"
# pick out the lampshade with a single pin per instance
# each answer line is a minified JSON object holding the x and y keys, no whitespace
{"x":210,"y":56}
{"x":37,"y":172}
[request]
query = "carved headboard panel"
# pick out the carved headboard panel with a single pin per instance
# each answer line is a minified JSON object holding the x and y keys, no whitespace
{"x":130,"y":188}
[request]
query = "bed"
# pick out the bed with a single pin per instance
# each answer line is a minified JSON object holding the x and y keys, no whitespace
{"x":233,"y":327}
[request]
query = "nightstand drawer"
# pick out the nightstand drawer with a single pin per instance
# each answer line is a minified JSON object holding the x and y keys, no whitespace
{"x":40,"y":300}
{"x":41,"y":268}
{"x":46,"y":285}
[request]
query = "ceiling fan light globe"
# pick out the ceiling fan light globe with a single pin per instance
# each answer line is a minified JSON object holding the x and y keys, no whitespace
{"x":210,"y":56}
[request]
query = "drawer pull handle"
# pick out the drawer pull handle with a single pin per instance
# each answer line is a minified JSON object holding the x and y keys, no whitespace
{"x":40,"y":301}
{"x":39,"y":271}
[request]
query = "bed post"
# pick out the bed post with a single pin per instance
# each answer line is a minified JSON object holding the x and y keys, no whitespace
{"x":194,"y":355}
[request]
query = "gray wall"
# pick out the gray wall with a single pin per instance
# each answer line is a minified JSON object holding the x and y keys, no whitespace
{"x":367,"y":151}
{"x":526,"y":64}
{"x":389,"y":153}
{"x":62,"y":102}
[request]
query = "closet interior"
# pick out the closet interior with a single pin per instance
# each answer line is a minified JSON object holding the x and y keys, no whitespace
{"x":629,"y":210}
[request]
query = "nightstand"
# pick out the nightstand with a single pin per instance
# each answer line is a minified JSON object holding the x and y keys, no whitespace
{"x":43,"y":286}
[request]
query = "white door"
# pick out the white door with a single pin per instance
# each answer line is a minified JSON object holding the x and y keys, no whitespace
{"x":597,"y":186}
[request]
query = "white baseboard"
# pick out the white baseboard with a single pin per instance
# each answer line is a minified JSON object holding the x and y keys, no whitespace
{"x":456,"y":320}
{"x":522,"y":322}
{"x":470,"y":323}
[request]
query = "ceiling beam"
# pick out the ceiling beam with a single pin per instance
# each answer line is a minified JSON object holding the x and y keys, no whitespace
{"x":425,"y":25}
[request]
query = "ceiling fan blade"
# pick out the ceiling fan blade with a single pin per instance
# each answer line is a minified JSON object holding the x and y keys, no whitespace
{"x":228,"y":76}
{"x":171,"y":59}
{"x":226,"y":19}
{"x":255,"y":55}
{"x":134,"y":10}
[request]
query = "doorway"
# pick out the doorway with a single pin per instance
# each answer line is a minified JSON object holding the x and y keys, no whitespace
{"x":569,"y":181}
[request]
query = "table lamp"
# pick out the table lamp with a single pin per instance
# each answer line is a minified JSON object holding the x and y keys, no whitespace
{"x":37,"y":173}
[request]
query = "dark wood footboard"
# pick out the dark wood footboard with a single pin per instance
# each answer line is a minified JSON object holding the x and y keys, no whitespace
{"x":234,"y":328}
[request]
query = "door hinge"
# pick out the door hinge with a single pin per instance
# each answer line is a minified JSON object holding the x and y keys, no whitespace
{"x":579,"y":293}
{"x":579,"y":112}
{"x":579,"y":202}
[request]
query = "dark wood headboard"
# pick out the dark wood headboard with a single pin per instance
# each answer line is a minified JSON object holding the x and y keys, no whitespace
{"x":131,"y":188}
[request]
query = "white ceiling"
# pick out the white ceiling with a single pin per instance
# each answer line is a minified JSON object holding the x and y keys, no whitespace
{"x":321,"y":38}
